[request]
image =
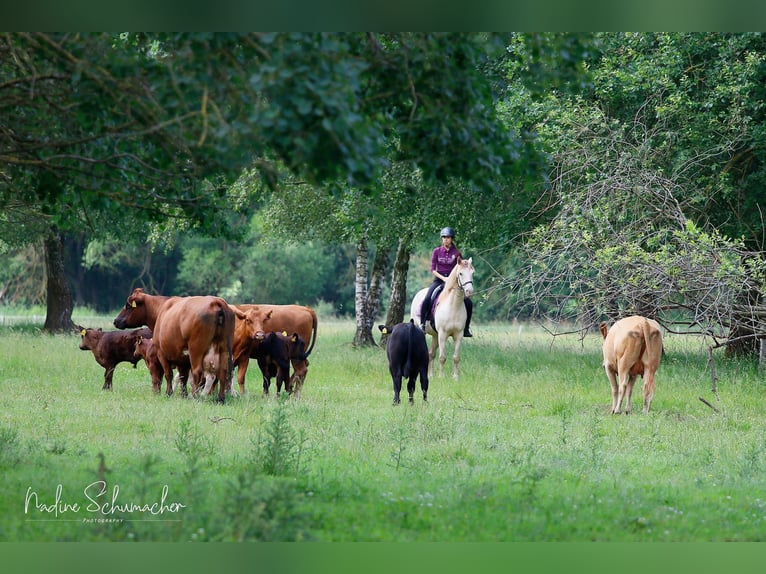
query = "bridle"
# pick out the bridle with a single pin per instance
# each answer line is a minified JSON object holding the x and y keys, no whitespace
{"x":460,"y":283}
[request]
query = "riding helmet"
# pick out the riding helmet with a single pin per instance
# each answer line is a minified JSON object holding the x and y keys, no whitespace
{"x":448,"y":232}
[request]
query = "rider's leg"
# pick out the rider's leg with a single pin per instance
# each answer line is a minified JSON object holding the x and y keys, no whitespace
{"x":469,"y":313}
{"x":425,"y":308}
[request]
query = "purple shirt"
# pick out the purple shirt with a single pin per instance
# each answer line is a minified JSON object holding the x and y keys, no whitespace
{"x":444,"y":260}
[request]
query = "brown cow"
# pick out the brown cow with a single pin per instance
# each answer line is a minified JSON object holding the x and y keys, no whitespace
{"x":632,"y":347}
{"x":191,"y":333}
{"x":289,"y":319}
{"x":111,"y":348}
{"x":146,"y":349}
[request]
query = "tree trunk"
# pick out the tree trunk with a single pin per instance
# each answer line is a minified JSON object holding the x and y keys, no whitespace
{"x":58,"y":316}
{"x":375,"y":295}
{"x":397,"y":305}
{"x":363,"y":336}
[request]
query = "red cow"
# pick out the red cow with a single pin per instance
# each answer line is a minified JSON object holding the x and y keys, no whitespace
{"x":191,"y":333}
{"x":289,"y":319}
{"x":145,"y":349}
{"x":111,"y":348}
{"x":245,"y":341}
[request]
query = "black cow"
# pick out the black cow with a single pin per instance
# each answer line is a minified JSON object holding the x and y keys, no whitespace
{"x":407,"y":352}
{"x":111,"y":348}
{"x":274,"y":354}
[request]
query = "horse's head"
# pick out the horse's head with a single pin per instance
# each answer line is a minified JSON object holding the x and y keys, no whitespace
{"x":465,"y":275}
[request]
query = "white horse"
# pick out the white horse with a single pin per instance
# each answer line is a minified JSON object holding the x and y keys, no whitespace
{"x":450,"y":315}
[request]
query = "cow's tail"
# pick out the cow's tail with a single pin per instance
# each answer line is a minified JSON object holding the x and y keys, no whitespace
{"x":224,"y":327}
{"x":410,"y":348}
{"x":652,"y":341}
{"x":313,"y":332}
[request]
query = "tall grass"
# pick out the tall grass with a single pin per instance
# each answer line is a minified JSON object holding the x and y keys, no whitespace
{"x":521,"y":448}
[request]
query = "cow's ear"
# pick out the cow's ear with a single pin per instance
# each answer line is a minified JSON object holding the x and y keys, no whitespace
{"x":295,"y":338}
{"x":100,"y":330}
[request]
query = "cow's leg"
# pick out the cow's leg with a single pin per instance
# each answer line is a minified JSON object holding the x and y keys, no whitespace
{"x":629,"y":392}
{"x":424,"y":382}
{"x":168,"y":372}
{"x":622,"y":386}
{"x":183,"y":378}
{"x":108,"y":374}
{"x":613,"y":382}
{"x":242,"y":365}
{"x":411,"y":387}
{"x":648,"y":390}
{"x":397,"y":379}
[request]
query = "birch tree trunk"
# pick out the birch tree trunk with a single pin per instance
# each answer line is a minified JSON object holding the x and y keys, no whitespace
{"x":363,"y":334}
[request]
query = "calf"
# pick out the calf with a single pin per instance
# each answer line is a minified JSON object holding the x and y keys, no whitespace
{"x":146,"y":349}
{"x":632,"y":347}
{"x":407,"y":353}
{"x":111,"y":348}
{"x":274,"y":354}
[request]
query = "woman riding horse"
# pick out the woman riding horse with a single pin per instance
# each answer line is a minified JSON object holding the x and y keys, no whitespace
{"x":443,"y":260}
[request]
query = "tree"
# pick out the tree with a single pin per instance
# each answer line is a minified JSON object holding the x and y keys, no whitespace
{"x":123,"y":133}
{"x":624,"y":238}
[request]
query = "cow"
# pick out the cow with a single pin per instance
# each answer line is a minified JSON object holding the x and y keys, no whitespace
{"x":407,"y":353}
{"x":191,"y":334}
{"x":632,"y":347}
{"x":286,"y":319}
{"x":110,"y":348}
{"x":145,"y":349}
{"x":274,"y":354}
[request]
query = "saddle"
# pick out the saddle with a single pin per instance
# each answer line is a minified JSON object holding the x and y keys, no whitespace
{"x":432,"y":308}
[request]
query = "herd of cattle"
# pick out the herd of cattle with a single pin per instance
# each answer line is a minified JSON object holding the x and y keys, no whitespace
{"x":206,"y":337}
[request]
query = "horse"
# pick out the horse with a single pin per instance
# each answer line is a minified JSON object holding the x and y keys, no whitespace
{"x":449,"y":315}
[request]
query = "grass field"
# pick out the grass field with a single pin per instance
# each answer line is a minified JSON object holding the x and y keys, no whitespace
{"x":522,"y":448}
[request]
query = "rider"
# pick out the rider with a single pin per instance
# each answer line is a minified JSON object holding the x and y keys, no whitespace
{"x":443,"y":260}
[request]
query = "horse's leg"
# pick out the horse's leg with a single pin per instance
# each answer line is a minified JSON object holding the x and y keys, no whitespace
{"x":458,"y":339}
{"x":432,"y":354}
{"x":442,"y":353}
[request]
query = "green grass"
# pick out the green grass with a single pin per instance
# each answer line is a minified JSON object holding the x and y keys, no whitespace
{"x":522,"y":448}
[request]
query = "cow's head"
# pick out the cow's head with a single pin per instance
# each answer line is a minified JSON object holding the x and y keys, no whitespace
{"x":142,"y":348}
{"x":134,"y":312}
{"x":297,"y":347}
{"x":89,"y":338}
{"x":255,"y":321}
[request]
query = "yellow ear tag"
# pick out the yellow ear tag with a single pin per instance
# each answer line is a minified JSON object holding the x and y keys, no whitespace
{"x":385,"y":331}
{"x":133,"y":304}
{"x":83,"y":332}
{"x":284,"y":333}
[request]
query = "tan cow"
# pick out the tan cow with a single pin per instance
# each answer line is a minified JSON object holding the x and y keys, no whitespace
{"x":632,"y":347}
